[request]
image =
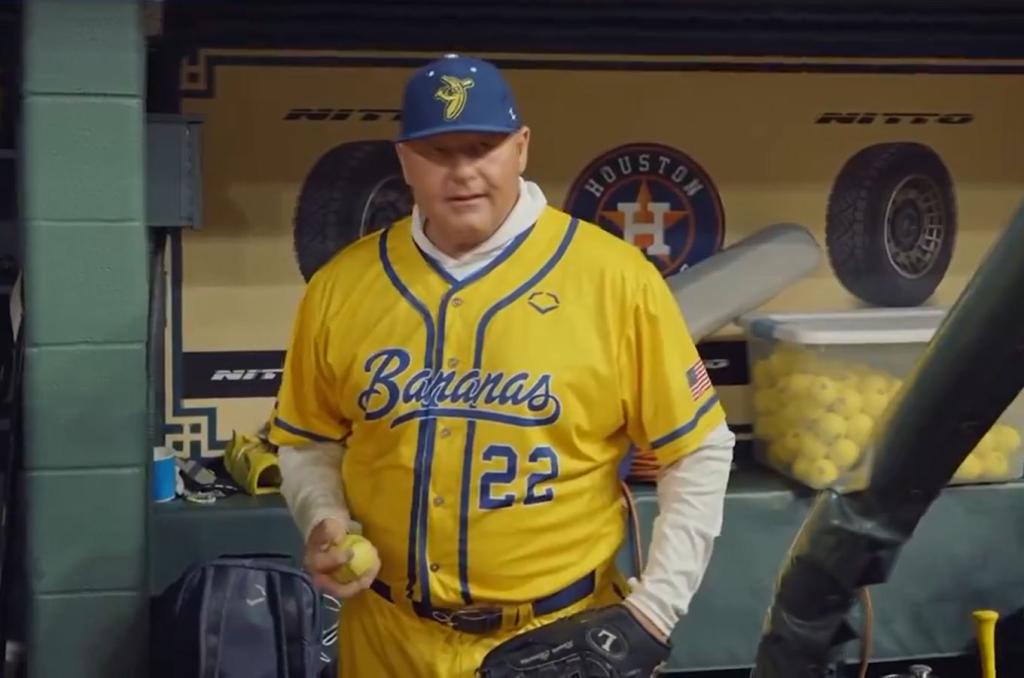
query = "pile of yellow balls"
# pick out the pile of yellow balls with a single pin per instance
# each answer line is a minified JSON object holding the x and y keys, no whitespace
{"x":814,"y":415}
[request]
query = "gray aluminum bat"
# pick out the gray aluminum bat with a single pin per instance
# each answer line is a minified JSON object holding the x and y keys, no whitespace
{"x":740,"y":278}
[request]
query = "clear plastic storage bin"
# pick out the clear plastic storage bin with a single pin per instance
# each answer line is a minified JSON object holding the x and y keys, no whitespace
{"x":820,"y":382}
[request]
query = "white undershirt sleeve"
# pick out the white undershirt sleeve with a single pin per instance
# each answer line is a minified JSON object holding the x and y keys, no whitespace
{"x":311,"y":484}
{"x":691,"y":495}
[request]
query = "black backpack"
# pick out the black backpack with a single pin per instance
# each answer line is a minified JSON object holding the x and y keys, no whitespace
{"x":248,"y":616}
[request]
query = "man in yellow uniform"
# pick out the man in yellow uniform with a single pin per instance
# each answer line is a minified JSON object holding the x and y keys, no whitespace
{"x":477,"y":372}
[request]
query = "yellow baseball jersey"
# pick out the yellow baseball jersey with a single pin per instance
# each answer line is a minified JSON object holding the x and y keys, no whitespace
{"x":485,"y":419}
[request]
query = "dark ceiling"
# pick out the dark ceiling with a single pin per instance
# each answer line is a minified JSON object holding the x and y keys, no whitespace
{"x":737,"y":27}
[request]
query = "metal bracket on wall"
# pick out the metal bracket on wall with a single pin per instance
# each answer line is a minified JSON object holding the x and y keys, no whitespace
{"x":173,"y":171}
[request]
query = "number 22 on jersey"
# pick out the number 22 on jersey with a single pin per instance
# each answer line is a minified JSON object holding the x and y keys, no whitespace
{"x":504,"y":486}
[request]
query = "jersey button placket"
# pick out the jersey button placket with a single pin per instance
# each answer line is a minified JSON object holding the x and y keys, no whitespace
{"x":449,"y":446}
{"x":439,"y":506}
{"x":454,"y":362}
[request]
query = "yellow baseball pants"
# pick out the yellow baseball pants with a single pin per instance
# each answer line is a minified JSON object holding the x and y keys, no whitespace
{"x":379,"y":639}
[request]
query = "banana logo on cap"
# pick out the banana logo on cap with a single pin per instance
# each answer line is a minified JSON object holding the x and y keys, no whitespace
{"x":453,"y":92}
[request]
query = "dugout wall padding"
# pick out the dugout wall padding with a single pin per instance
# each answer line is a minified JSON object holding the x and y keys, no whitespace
{"x":86,"y":288}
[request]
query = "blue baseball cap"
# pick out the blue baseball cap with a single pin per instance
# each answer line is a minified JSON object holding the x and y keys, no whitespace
{"x":457,"y":94}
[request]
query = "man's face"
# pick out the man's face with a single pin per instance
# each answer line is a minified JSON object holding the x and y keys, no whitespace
{"x":465,"y":183}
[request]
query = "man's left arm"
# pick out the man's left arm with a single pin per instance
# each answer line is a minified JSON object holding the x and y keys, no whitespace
{"x":673,"y":411}
{"x":690,"y":494}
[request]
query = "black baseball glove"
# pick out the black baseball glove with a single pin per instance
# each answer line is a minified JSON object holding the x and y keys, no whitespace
{"x":607,"y":642}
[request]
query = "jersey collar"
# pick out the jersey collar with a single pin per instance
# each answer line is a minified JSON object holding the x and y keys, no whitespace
{"x":426,"y":279}
{"x":528,"y":208}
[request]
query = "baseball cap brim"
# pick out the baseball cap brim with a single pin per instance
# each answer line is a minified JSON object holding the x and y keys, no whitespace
{"x":451,"y":129}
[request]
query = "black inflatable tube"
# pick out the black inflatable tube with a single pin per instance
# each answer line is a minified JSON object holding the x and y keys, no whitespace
{"x":970,"y":373}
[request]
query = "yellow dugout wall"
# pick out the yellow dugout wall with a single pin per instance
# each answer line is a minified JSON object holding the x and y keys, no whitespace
{"x":731,"y":145}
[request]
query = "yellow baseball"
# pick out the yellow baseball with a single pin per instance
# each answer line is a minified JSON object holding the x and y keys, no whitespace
{"x":810,"y":412}
{"x":985,"y":444}
{"x":792,"y":442}
{"x":994,"y":466}
{"x":829,"y":427}
{"x":848,"y":402}
{"x":798,"y":384}
{"x":844,"y":453}
{"x":970,"y":469}
{"x":824,"y":473}
{"x":859,"y":427}
{"x":1005,"y":437}
{"x":817,"y":473}
{"x":801,"y":469}
{"x":823,"y":391}
{"x":874,"y":403}
{"x":364,"y":558}
{"x":781,"y":455}
{"x":811,"y":447}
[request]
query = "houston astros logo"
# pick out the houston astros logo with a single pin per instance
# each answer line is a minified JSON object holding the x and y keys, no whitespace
{"x":453,"y":93}
{"x":516,"y":398}
{"x":655,"y":197}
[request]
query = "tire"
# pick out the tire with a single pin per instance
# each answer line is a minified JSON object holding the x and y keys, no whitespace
{"x":891,"y":224}
{"x":352,"y":190}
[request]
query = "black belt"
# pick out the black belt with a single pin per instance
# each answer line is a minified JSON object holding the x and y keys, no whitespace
{"x":479,"y":619}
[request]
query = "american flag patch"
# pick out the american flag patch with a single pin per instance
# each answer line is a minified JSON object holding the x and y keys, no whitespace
{"x":698,"y":379}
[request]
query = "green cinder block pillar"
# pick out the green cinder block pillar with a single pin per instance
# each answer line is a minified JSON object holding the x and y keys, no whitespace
{"x":86,"y":449}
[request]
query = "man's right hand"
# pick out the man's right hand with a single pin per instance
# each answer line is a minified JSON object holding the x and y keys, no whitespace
{"x":322,"y":559}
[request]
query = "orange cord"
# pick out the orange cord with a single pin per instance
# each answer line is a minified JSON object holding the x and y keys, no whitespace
{"x":644,"y":467}
{"x":634,"y":519}
{"x":865,"y":638}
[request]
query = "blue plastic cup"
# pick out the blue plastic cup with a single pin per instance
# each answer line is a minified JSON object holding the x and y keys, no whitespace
{"x":165,"y":474}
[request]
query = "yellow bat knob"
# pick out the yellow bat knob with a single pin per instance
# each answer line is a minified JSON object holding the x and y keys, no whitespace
{"x":985,"y":631}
